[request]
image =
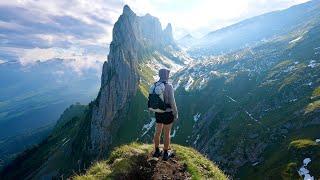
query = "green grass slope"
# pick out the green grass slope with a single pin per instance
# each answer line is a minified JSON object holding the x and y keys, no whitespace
{"x":59,"y":153}
{"x":126,"y":160}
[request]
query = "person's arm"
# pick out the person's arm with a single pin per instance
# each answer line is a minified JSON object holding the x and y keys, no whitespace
{"x":172,"y":102}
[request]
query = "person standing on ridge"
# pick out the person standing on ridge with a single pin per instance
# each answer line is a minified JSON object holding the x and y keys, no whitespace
{"x":162,"y":102}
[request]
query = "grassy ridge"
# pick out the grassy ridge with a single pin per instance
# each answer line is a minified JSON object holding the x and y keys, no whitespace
{"x":125,"y":159}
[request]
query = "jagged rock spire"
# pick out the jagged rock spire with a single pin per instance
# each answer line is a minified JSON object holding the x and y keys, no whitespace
{"x":132,"y":37}
{"x":168,"y":34}
{"x":127,"y":11}
{"x":168,"y":29}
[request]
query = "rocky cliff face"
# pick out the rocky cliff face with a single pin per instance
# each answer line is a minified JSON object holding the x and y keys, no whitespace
{"x":133,"y":38}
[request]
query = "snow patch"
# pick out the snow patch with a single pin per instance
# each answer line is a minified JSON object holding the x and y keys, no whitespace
{"x":296,"y":40}
{"x":173,"y":134}
{"x":317,"y":140}
{"x":189,"y":83}
{"x":202,"y":82}
{"x":309,"y":84}
{"x":293,"y":100}
{"x":174,"y":67}
{"x":231,"y":98}
{"x":306,"y":161}
{"x":148,"y":126}
{"x":256,"y":163}
{"x":196,"y":117}
{"x":195,"y":142}
{"x":289,"y":69}
{"x":313,"y":64}
{"x":250,"y":115}
{"x":303,"y":171}
{"x":65,"y":142}
{"x":177,"y":84}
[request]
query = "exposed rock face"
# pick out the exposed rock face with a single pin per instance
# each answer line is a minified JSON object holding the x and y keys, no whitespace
{"x":133,"y":37}
{"x":168,"y":34}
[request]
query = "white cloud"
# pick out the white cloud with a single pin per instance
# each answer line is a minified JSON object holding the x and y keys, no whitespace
{"x":10,"y":25}
{"x":77,"y":59}
{"x":2,"y":61}
{"x":192,"y":16}
{"x":57,"y":31}
{"x":62,"y":29}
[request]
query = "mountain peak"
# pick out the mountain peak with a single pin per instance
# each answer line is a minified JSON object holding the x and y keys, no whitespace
{"x":168,"y":28}
{"x":188,"y":36}
{"x":127,"y":10}
{"x":168,"y":34}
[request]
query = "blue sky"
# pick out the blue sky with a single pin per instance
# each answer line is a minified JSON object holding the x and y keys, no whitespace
{"x":81,"y":30}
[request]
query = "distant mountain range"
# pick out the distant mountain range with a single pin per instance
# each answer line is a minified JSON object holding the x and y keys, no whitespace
{"x":187,"y":41}
{"x":33,"y":97}
{"x":255,"y":30}
{"x":247,"y":95}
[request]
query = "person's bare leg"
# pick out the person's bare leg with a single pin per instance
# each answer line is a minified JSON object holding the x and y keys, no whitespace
{"x":157,"y":134}
{"x":167,"y":130}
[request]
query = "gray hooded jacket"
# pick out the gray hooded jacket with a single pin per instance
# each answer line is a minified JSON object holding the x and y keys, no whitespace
{"x":168,"y":93}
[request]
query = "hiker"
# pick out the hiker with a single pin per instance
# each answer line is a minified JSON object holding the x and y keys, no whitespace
{"x":162,"y":102}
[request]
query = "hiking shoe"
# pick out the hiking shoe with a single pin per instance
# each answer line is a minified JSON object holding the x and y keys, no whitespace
{"x":157,"y":153}
{"x":166,"y":155}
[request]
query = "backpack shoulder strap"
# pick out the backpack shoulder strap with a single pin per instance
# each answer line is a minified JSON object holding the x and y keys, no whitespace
{"x":154,"y":87}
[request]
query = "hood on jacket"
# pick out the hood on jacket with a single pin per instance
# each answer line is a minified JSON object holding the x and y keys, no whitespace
{"x":164,"y":74}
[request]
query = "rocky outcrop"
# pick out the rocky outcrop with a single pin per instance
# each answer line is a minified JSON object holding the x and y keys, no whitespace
{"x":133,"y":38}
{"x":168,"y":38}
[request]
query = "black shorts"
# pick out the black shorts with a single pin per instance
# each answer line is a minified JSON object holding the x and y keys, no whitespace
{"x":164,"y":118}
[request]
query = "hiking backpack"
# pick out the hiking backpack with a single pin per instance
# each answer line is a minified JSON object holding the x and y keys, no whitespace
{"x":156,"y":98}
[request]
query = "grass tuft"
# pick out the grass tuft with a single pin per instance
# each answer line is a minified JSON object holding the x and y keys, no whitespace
{"x":302,"y":144}
{"x":312,"y":107}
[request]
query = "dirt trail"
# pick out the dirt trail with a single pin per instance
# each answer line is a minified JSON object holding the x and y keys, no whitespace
{"x":149,"y":167}
{"x":171,"y":169}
